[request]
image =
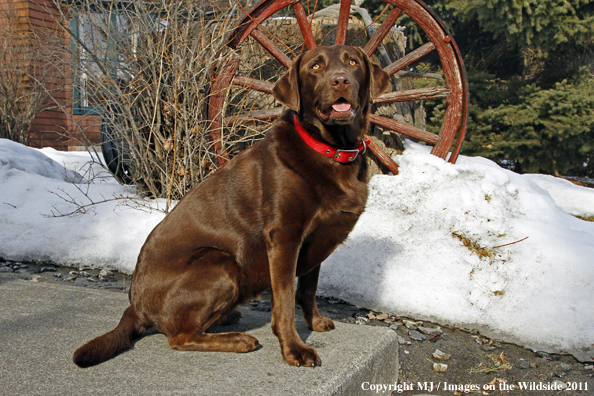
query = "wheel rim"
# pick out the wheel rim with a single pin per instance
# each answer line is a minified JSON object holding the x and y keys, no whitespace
{"x":455,"y":90}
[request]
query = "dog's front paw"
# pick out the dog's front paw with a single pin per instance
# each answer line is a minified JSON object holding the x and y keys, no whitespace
{"x":245,"y":343}
{"x":322,"y":323}
{"x":301,"y":355}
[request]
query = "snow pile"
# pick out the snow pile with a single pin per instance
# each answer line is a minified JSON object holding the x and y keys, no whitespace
{"x":575,"y":200}
{"x":429,"y":245}
{"x":34,"y":189}
{"x":89,"y":165}
{"x":16,"y":159}
{"x":407,"y":255}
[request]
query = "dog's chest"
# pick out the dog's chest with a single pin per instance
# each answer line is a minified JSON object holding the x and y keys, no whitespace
{"x":349,"y":196}
{"x":328,"y":229}
{"x":336,"y":217}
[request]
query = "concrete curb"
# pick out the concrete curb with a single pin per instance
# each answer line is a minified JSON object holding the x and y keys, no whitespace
{"x":43,"y":323}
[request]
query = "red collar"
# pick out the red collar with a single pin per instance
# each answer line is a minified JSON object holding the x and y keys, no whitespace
{"x":338,"y":155}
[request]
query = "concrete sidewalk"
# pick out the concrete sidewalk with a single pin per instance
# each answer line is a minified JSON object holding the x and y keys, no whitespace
{"x":41,"y":324}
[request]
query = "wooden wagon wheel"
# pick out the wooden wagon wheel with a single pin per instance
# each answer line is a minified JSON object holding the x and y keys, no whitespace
{"x":455,"y":89}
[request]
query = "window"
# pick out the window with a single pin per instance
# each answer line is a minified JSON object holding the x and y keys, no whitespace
{"x":98,"y":61}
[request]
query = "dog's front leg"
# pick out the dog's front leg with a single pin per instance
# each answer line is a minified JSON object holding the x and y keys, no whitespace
{"x":306,"y":298}
{"x":283,"y":250}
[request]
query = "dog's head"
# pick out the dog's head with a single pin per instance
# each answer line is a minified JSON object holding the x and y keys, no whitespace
{"x":332,"y":87}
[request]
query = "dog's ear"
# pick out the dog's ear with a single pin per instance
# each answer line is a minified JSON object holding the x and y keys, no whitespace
{"x":379,"y":80}
{"x":286,"y":89}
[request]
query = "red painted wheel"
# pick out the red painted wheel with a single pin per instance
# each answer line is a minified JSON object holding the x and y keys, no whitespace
{"x":455,"y":90}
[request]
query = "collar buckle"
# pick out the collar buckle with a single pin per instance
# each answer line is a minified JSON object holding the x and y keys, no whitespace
{"x":338,"y":156}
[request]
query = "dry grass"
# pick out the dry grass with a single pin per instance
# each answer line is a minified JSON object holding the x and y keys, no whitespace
{"x":498,"y":363}
{"x":147,"y":67}
{"x":590,"y":218}
{"x":474,"y":246}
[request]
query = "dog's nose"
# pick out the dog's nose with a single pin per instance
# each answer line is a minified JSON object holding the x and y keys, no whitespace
{"x":340,"y":81}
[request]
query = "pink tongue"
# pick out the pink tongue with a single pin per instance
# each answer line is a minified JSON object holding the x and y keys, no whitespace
{"x":341,"y":106}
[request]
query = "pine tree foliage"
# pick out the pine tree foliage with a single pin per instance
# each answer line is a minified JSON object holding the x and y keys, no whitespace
{"x":548,"y":131}
{"x":543,"y":24}
{"x":530,"y":65}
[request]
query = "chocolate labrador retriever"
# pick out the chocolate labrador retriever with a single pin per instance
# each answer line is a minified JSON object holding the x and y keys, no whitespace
{"x":273,"y":213}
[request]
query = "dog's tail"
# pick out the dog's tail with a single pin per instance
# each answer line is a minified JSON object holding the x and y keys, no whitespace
{"x":102,"y":348}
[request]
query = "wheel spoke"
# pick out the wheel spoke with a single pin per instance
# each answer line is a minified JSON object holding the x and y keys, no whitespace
{"x":382,"y":155}
{"x":404,"y":129}
{"x":308,"y":37}
{"x":411,"y":58}
{"x":383,"y":30}
{"x":272,"y":48}
{"x":253,"y":83}
{"x":435,"y":76}
{"x":260,"y":115}
{"x":343,"y":21}
{"x":410,"y":95}
{"x":219,"y":89}
{"x":254,"y":18}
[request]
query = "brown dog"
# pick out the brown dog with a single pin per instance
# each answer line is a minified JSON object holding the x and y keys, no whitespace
{"x":273,"y":213}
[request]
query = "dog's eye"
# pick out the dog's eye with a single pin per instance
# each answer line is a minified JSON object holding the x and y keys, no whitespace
{"x":315,"y":66}
{"x":352,"y":62}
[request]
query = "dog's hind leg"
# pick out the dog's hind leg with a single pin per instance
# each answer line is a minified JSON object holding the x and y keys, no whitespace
{"x":229,"y":318}
{"x":220,"y":342}
{"x":193,"y":338}
{"x":206,"y":296}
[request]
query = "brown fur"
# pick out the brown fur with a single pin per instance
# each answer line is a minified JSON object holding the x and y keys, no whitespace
{"x":273,"y":213}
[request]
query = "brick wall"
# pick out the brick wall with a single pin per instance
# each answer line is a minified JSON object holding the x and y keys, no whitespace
{"x":86,"y":128}
{"x":57,"y":127}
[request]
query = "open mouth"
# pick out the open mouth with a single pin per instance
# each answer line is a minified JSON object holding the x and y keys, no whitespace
{"x":341,"y":106}
{"x":341,"y":109}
